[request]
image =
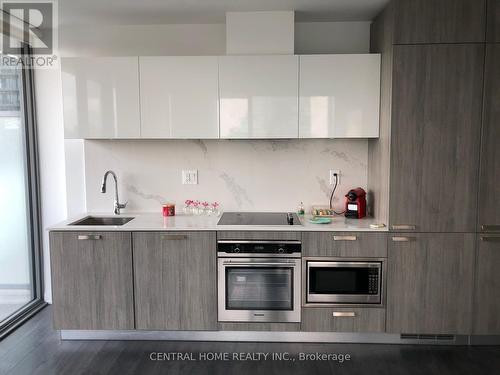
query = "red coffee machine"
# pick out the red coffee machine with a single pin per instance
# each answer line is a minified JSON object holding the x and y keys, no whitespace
{"x":355,"y":203}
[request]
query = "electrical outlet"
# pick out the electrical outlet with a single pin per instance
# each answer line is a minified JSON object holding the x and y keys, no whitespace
{"x":334,"y":172}
{"x":190,"y":177}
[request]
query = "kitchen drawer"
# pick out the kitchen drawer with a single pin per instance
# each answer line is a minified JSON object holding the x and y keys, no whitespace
{"x":344,"y":244}
{"x":254,"y":235}
{"x":284,"y":327}
{"x":343,"y":319}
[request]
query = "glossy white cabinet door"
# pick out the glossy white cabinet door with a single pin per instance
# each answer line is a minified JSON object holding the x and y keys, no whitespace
{"x":339,"y":96}
{"x":258,"y":96}
{"x":179,"y":97}
{"x":101,"y":97}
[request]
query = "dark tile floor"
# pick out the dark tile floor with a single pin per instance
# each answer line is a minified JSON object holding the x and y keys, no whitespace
{"x":35,"y":348}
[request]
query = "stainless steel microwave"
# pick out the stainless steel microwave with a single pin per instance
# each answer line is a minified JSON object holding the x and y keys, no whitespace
{"x":343,"y":281}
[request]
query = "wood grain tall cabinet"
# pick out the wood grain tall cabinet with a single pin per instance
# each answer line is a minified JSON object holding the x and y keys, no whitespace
{"x":424,"y":168}
{"x":486,"y":297}
{"x":435,"y":137}
{"x":493,"y":28}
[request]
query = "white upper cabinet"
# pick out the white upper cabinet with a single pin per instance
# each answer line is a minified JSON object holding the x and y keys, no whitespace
{"x":229,"y":97}
{"x":258,"y":96}
{"x":339,"y":96}
{"x":101,"y":97}
{"x":179,"y":97}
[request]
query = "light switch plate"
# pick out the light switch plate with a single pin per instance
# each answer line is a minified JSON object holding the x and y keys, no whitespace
{"x":190,"y":177}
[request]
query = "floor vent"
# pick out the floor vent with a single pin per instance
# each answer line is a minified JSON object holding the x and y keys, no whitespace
{"x":407,"y":336}
{"x":411,"y":336}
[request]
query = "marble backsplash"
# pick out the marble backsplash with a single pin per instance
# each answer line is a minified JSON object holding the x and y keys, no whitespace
{"x":242,"y":175}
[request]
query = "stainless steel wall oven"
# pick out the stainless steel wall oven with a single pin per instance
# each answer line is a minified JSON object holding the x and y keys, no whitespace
{"x":259,"y":281}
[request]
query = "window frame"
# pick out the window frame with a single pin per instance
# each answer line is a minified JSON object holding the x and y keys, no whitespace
{"x":28,"y":113}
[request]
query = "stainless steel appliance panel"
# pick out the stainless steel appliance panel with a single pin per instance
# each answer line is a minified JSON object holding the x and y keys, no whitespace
{"x":259,"y":289}
{"x":343,"y":281}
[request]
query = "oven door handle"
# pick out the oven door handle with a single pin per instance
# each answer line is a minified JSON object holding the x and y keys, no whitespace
{"x":247,"y":264}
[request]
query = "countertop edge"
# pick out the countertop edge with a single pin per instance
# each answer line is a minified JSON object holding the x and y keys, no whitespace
{"x":150,"y":222}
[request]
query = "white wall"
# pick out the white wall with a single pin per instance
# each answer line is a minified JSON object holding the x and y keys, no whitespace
{"x":332,"y":37}
{"x":209,"y":39}
{"x":51,"y":157}
{"x":67,"y":190}
{"x":155,"y":40}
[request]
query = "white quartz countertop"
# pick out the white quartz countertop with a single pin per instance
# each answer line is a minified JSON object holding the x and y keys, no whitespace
{"x":156,"y":222}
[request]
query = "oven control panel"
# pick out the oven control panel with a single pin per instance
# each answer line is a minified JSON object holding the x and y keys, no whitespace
{"x":272,"y":247}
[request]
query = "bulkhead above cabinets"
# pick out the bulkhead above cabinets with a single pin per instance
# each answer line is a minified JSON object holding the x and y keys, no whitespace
{"x":225,"y":97}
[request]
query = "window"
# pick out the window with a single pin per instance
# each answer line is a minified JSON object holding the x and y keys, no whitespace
{"x":20,"y":255}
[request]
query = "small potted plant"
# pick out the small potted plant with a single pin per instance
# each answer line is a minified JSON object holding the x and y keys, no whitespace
{"x":196,"y":207}
{"x":188,"y":207}
{"x":205,"y":208}
{"x":215,"y":209}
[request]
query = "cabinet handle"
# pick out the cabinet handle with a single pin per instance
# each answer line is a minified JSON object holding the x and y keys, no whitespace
{"x":344,"y":314}
{"x":492,"y":228}
{"x":404,"y":227}
{"x":89,"y":237}
{"x":403,"y":239}
{"x":345,"y":238}
{"x":491,"y":238}
{"x":174,"y":237}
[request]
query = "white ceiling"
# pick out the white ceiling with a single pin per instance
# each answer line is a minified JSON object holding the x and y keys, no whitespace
{"x":150,"y":12}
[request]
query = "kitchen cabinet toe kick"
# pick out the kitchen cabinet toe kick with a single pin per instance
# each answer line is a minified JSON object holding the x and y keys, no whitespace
{"x":259,"y":336}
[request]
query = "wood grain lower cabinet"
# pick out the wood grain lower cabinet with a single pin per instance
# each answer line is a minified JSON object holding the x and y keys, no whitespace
{"x":343,"y":320}
{"x":429,"y":283}
{"x":344,"y":244}
{"x":486,"y":318}
{"x":92,"y":284}
{"x":175,"y":280}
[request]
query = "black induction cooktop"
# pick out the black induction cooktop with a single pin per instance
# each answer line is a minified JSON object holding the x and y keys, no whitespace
{"x":259,"y":218}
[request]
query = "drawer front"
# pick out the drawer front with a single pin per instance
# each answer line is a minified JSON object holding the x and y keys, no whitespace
{"x":255,"y":235}
{"x":343,"y":320}
{"x":284,"y":327}
{"x":344,"y":244}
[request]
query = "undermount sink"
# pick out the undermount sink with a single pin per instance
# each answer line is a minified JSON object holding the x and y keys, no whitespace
{"x":102,"y":220}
